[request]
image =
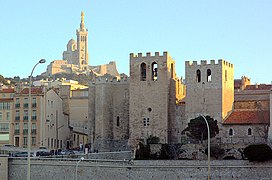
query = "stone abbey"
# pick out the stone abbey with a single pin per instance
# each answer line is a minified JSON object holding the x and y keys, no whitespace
{"x":153,"y":101}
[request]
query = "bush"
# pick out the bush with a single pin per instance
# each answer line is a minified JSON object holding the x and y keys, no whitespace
{"x":258,"y":152}
{"x":216,"y":152}
{"x":153,"y":140}
{"x":143,"y":152}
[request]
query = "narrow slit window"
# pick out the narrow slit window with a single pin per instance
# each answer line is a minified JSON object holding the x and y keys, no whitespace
{"x":118,"y":121}
{"x":209,"y":75}
{"x":230,"y":132}
{"x":198,"y":76}
{"x":249,"y":131}
{"x":143,"y":72}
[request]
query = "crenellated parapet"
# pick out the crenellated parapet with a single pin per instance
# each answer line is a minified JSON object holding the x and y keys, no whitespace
{"x":149,"y":55}
{"x":220,"y":62}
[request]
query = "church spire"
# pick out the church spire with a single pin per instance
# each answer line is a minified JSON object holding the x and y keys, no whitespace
{"x":82,"y":26}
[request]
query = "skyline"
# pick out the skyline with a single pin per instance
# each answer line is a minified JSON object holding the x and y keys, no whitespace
{"x":239,"y":32}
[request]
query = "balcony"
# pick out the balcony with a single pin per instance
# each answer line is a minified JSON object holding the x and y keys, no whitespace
{"x":16,"y":132}
{"x":34,"y":105}
{"x":25,"y":118}
{"x":17,"y":118}
{"x":26,"y":105}
{"x":4,"y":129}
{"x":33,"y":131}
{"x":25,"y":131}
{"x":17,"y":105}
{"x":34,"y":118}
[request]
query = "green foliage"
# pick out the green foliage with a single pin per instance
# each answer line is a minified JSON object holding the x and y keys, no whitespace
{"x":3,"y":80}
{"x":143,"y":152}
{"x":153,"y":139}
{"x":216,"y":151}
{"x":258,"y":152}
{"x":197,"y":128}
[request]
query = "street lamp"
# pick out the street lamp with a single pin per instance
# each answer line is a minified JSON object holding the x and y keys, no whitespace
{"x":81,"y":159}
{"x":209,"y":147}
{"x":29,"y":118}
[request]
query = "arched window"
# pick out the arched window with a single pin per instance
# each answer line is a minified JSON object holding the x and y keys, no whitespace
{"x":198,"y":76}
{"x":143,"y":72}
{"x":118,"y":121}
{"x":249,"y":131}
{"x":154,"y":71}
{"x":230,"y":132}
{"x":209,"y":75}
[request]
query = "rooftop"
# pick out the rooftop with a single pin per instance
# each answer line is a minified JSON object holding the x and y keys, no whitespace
{"x":248,"y":117}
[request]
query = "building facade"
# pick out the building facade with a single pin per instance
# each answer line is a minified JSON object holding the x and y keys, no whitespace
{"x":6,"y":115}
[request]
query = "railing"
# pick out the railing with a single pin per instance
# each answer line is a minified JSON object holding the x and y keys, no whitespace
{"x":17,"y":105}
{"x":25,"y":131}
{"x":25,"y":117}
{"x":34,"y":118}
{"x":34,"y":105}
{"x":25,"y":105}
{"x":16,"y":131}
{"x":33,"y":131}
{"x":17,"y":118}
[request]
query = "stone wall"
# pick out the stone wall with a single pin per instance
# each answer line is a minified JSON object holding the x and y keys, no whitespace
{"x":109,"y":114}
{"x":129,"y":170}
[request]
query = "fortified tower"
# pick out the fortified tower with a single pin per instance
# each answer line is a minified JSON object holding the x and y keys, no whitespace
{"x":209,"y":89}
{"x":109,"y":114}
{"x":150,"y":99}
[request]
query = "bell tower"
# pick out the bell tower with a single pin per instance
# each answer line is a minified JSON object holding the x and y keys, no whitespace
{"x":82,"y":45}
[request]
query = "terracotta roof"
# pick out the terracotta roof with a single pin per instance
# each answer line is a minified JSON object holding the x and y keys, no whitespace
{"x":259,"y":87}
{"x":34,"y":90}
{"x":6,"y":99}
{"x":7,"y":91}
{"x":248,"y":117}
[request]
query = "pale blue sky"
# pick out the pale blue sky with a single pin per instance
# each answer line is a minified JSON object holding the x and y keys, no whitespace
{"x":236,"y":30}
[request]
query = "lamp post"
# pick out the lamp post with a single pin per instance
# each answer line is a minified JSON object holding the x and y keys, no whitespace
{"x":29,"y":118}
{"x":209,"y":147}
{"x":81,"y":159}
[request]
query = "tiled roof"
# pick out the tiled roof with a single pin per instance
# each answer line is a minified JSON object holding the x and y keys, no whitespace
{"x":7,"y":91}
{"x":248,"y":117}
{"x":6,"y":99}
{"x":34,"y":90}
{"x":259,"y":87}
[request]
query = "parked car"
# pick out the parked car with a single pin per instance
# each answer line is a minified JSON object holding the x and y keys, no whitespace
{"x":67,"y":152}
{"x":42,"y":153}
{"x":23,"y":154}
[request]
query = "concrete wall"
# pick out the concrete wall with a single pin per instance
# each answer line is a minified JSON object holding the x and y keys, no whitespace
{"x":4,"y":168}
{"x":193,"y":170}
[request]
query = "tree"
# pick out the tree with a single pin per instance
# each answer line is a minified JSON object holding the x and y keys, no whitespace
{"x":258,"y":152}
{"x":153,"y":139}
{"x":197,"y":128}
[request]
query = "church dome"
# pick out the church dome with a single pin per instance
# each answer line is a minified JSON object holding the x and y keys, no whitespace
{"x":71,"y":46}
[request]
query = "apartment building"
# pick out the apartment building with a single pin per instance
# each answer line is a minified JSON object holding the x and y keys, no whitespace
{"x":6,"y":108}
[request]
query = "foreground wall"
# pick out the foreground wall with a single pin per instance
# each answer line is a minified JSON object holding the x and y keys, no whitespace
{"x":61,"y":169}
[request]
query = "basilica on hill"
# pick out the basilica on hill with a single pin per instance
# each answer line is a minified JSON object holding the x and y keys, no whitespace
{"x":76,"y":57}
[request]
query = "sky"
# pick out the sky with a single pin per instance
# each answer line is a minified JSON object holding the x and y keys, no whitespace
{"x":238,"y":31}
